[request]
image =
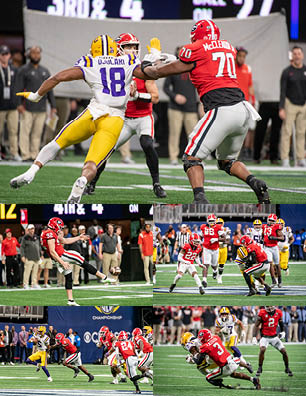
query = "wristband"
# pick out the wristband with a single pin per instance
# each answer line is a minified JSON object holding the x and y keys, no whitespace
{"x":145,"y":64}
{"x":144,"y":96}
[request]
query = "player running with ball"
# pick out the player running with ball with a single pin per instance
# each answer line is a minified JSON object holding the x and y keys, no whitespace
{"x":189,"y":254}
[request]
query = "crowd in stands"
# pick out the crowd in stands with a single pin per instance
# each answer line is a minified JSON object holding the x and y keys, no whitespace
{"x":169,"y":323}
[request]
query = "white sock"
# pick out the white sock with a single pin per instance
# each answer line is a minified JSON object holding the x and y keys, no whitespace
{"x":214,"y":269}
{"x":177,"y":278}
{"x":33,"y":170}
{"x":197,"y":279}
{"x":48,"y":153}
{"x":154,"y":278}
{"x":82,"y":181}
{"x":204,"y":278}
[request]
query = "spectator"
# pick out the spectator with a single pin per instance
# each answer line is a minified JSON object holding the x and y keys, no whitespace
{"x":30,"y":252}
{"x":296,"y":245}
{"x":177,"y":326}
{"x":45,"y":264}
{"x":13,"y":344}
{"x":158,"y":314}
{"x":245,"y":82}
{"x":119,"y":250}
{"x":107,"y":249}
{"x":303,"y":241}
{"x":293,"y":328}
{"x":145,"y":243}
{"x":86,"y":247}
{"x":7,"y":344}
{"x":292,"y":107}
{"x":93,"y":230}
{"x":1,"y":265}
{"x":171,"y":237}
{"x":23,"y":338}
{"x":8,"y":102}
{"x":32,"y":115}
{"x":95,"y":248}
{"x":196,"y":319}
{"x":287,"y":322}
{"x":208,"y":317}
{"x":187,"y":318}
{"x":17,"y":59}
{"x":77,"y":340}
{"x":248,"y":320}
{"x":30,"y":344}
{"x":182,"y":109}
{"x":71,"y":336}
{"x":2,"y":348}
{"x":301,"y":323}
{"x":9,"y":259}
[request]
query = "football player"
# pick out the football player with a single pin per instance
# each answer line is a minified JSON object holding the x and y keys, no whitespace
{"x":268,"y":319}
{"x":52,"y":241}
{"x":108,"y":339}
{"x":272,"y":234}
{"x":255,"y":232}
{"x":109,"y":78}
{"x":157,"y":242}
{"x":145,"y":350}
{"x":147,"y":332}
{"x":138,"y":114}
{"x":222,"y":258}
{"x":73,"y":360}
{"x":253,"y":261}
{"x":225,"y":327}
{"x":39,"y":358}
{"x":212,"y":234}
{"x":211,"y":64}
{"x":189,"y":254}
{"x":283,"y":247}
{"x":211,"y":345}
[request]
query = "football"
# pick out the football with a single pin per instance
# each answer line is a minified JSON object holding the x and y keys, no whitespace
{"x":116,"y":271}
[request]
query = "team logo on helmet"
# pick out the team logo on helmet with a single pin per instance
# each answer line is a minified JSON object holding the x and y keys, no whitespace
{"x":246,"y":240}
{"x":56,"y":224}
{"x":204,"y":335}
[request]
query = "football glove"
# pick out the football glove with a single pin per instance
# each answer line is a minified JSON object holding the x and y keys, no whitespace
{"x":254,"y":341}
{"x":31,"y":96}
{"x":282,"y":335}
{"x":155,"y":48}
{"x":189,"y":359}
{"x":167,"y":58}
{"x":213,"y":240}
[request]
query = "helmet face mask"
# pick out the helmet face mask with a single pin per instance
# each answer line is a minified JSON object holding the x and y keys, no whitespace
{"x":128,"y":44}
{"x":270,"y":309}
{"x":220,"y":221}
{"x":41,"y":330}
{"x":211,"y":219}
{"x":104,"y":331}
{"x":204,"y":335}
{"x":56,"y":224}
{"x":122,"y":336}
{"x":224,"y":313}
{"x":195,"y":240}
{"x":272,"y":219}
{"x":136,"y":332}
{"x":246,"y":240}
{"x":257,"y":224}
{"x":281,"y":222}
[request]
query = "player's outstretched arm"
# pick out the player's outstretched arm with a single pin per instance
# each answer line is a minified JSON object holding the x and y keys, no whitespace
{"x":161,"y":70}
{"x":71,"y":74}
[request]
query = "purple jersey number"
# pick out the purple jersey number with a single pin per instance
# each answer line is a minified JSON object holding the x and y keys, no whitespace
{"x":117,"y":81}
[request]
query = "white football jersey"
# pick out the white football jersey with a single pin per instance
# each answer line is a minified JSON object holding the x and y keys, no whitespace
{"x":256,"y":235}
{"x":43,"y":342}
{"x":227,"y":231}
{"x":287,"y":232}
{"x":227,"y":327}
{"x":109,"y":79}
{"x":193,"y":342}
{"x":156,"y":231}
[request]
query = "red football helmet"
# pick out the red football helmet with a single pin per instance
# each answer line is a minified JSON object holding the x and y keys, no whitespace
{"x":59,"y":337}
{"x":204,"y":335}
{"x":125,"y":39}
{"x":270,"y":309}
{"x":136,"y":332}
{"x":211,"y":219}
{"x":103,"y":331}
{"x":272,"y":218}
{"x":123,"y":336}
{"x":246,"y":240}
{"x":195,"y":239}
{"x":56,"y":224}
{"x":204,"y":29}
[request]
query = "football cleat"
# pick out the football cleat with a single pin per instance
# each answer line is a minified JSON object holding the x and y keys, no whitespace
{"x":115,"y":381}
{"x":159,"y":191}
{"x":76,"y":372}
{"x":215,"y":274}
{"x":289,"y":372}
{"x":268,"y":290}
{"x":219,"y":279}
{"x":77,"y":190}
{"x":108,"y":280}
{"x":123,"y":379}
{"x":261,"y":190}
{"x":171,"y":288}
{"x":249,"y":367}
{"x":204,"y":283}
{"x":91,"y":378}
{"x":200,"y":198}
{"x":259,"y":371}
{"x":72,"y":303}
{"x":201,"y":290}
{"x":287,"y":272}
{"x":251,"y":292}
{"x":256,"y":383}
{"x":38,"y":367}
{"x":21,"y":180}
{"x":50,"y":379}
{"x":145,"y":381}
{"x":274,"y":284}
{"x":89,"y":189}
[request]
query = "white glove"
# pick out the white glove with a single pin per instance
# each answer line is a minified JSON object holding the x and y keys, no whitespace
{"x":282,"y":335}
{"x":254,"y":341}
{"x":167,"y":58}
{"x":31,"y":96}
{"x":213,"y":240}
{"x":189,"y":359}
{"x":151,"y":58}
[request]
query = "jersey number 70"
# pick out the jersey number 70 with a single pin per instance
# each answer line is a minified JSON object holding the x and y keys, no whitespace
{"x":223,"y":58}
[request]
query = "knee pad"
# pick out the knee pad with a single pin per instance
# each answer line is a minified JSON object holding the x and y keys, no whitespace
{"x":190,"y":163}
{"x":88,"y":267}
{"x":226,"y":166}
{"x":68,"y":281}
{"x":146,"y":142}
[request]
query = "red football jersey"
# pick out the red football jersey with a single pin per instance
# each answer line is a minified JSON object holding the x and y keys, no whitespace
{"x":268,"y":230}
{"x":108,"y":341}
{"x":261,"y":255}
{"x":68,"y":346}
{"x":214,"y":64}
{"x":210,"y":233}
{"x":50,"y":234}
{"x":126,"y":348}
{"x":138,"y":108}
{"x":146,"y":346}
{"x":269,"y":322}
{"x":244,"y":78}
{"x":190,"y":254}
{"x":216,"y":351}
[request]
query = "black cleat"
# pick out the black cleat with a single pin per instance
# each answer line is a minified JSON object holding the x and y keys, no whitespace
{"x":200,"y":198}
{"x":123,"y":379}
{"x":89,"y":189}
{"x":279,"y":285}
{"x":256,"y":383}
{"x":76,"y":372}
{"x":249,"y":367}
{"x":259,"y":371}
{"x":289,"y":372}
{"x":159,"y":191}
{"x":268,"y":290}
{"x":274,"y":284}
{"x":251,"y":292}
{"x":204,"y":283}
{"x":260,"y":189}
{"x":171,"y":288}
{"x":215,"y":273}
{"x":201,"y":290}
{"x":138,"y":392}
{"x":91,"y":378}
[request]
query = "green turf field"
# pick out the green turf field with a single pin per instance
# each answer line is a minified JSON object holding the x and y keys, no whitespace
{"x":233,"y":287}
{"x":173,"y":376}
{"x":25,"y":377}
{"x":123,"y":183}
{"x":127,"y":293}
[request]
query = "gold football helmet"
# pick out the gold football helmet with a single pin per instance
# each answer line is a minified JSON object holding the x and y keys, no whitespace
{"x":147,"y":330}
{"x":42,"y":330}
{"x":186,"y":338}
{"x":103,"y":45}
{"x":220,"y":221}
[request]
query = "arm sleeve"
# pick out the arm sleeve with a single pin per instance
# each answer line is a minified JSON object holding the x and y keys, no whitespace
{"x":283,"y":88}
{"x":189,"y":53}
{"x":168,"y":88}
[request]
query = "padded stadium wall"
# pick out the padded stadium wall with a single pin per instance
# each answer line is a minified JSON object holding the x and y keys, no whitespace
{"x":64,"y":40}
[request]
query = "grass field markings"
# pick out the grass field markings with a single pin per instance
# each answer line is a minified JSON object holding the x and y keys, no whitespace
{"x":103,"y":297}
{"x":87,"y":287}
{"x":60,"y":392}
{"x":174,"y":265}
